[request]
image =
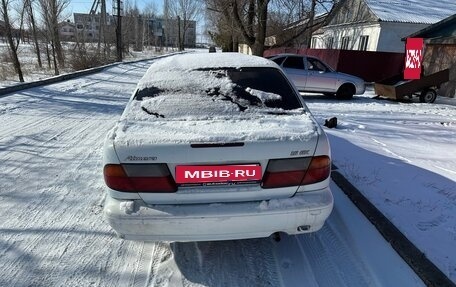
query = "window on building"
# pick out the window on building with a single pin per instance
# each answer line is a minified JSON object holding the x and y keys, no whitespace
{"x":363,"y":40}
{"x":345,"y":43}
{"x":330,"y":42}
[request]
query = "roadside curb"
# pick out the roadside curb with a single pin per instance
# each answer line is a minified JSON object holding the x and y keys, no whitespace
{"x":61,"y":78}
{"x":417,"y":260}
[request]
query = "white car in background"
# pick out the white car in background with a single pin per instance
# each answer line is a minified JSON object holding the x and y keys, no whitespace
{"x":213,"y":147}
{"x":310,"y":74}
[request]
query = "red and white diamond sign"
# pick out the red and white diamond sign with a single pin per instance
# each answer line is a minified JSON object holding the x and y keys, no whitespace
{"x":413,"y":58}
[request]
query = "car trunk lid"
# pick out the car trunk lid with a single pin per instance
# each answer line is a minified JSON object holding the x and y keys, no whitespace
{"x":227,"y":145}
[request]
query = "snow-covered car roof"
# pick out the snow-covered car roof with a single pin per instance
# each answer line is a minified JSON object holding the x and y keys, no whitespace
{"x":222,"y":60}
{"x":192,"y":61}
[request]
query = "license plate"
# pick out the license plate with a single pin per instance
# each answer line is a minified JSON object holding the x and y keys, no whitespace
{"x":217,"y":173}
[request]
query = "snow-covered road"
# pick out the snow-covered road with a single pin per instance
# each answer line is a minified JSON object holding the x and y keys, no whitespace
{"x":51,"y":195}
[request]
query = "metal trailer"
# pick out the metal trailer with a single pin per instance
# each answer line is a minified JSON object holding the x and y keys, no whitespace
{"x":399,"y":89}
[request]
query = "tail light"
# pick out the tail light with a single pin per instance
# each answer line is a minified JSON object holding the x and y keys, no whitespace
{"x":319,"y":170}
{"x":296,"y":171}
{"x":139,"y":178}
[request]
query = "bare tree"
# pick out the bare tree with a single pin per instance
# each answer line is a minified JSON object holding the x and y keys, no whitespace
{"x":5,"y":6}
{"x":118,"y":31}
{"x":185,"y":11}
{"x":134,"y":23}
{"x":246,"y":19}
{"x":149,"y":14}
{"x":102,"y":31}
{"x":292,"y":20}
{"x":52,"y":11}
{"x":251,"y":17}
{"x":296,"y":27}
{"x":308,"y":33}
{"x":223,"y":31}
{"x":28,"y":5}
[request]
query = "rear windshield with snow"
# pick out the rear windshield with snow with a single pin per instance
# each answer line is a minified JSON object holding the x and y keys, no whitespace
{"x":217,"y":92}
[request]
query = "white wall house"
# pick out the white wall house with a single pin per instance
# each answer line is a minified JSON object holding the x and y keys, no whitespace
{"x":67,"y":31}
{"x":374,"y":25}
{"x":244,"y":49}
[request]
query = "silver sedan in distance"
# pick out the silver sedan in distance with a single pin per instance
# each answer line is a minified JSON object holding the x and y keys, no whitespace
{"x":310,"y":74}
{"x":216,"y":146}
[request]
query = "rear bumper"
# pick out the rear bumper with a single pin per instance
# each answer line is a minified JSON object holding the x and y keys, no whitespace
{"x":134,"y":220}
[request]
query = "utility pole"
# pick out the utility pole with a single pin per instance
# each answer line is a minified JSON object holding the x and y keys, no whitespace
{"x":119,"y":33}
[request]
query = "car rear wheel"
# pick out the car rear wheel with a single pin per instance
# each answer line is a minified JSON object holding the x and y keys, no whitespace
{"x":428,"y":96}
{"x":345,"y":92}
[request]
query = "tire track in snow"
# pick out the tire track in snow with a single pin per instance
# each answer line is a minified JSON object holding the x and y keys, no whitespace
{"x":317,"y":256}
{"x":215,"y":263}
{"x":386,"y":149}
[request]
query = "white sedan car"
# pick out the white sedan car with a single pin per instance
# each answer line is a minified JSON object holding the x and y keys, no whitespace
{"x":310,"y":74}
{"x":213,"y":147}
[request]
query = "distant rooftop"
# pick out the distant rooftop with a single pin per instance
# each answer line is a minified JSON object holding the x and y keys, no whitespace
{"x":412,"y":11}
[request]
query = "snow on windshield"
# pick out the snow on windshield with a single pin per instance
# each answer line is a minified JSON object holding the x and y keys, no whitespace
{"x":193,"y":81}
{"x":210,"y":111}
{"x":212,"y":105}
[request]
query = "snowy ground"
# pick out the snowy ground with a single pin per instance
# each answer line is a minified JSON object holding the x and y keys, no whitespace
{"x":402,"y":157}
{"x":51,"y":195}
{"x":31,"y":71}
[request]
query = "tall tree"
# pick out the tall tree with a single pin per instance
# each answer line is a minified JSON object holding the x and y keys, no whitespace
{"x":185,"y":11}
{"x":308,"y":32}
{"x":6,"y":5}
{"x":223,"y":31}
{"x":52,"y":11}
{"x":28,"y":5}
{"x":299,"y":33}
{"x":118,"y":31}
{"x":102,"y":31}
{"x":246,"y":20}
{"x":251,"y":18}
{"x":149,"y":14}
{"x":134,"y":23}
